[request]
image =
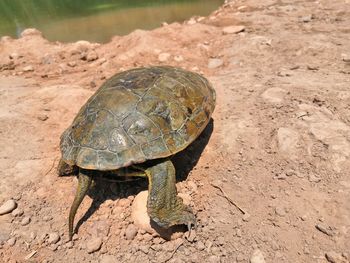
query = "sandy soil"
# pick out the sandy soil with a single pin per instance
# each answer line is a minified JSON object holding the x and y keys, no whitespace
{"x":279,"y":148}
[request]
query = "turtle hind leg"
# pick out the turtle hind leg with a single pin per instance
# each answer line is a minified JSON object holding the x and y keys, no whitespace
{"x":66,"y":169}
{"x":84,"y":183}
{"x":163,"y":205}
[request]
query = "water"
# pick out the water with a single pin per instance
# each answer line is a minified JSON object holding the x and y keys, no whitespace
{"x":95,"y":20}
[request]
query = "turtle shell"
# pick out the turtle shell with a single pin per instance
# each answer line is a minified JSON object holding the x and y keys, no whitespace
{"x":138,"y":115}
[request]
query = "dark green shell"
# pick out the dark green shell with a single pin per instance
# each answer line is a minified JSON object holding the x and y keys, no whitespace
{"x":138,"y":115}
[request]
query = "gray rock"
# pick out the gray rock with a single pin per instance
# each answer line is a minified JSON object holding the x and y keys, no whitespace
{"x":8,"y":207}
{"x":215,"y":63}
{"x":257,"y":257}
{"x":53,"y":238}
{"x":131,"y":232}
{"x":94,"y":244}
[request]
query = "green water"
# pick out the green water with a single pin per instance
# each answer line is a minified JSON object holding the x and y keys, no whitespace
{"x":95,"y":20}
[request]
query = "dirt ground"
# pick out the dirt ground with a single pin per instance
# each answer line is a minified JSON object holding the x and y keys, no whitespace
{"x":279,"y":149}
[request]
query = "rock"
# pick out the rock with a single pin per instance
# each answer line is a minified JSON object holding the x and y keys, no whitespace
{"x":314,"y":179}
{"x":324,"y":229}
{"x":28,"y":68}
{"x":192,"y":21}
{"x":178,"y":58}
{"x":108,"y":259}
{"x":91,"y":56}
{"x":17,"y":212}
{"x":233,"y":29}
{"x":69,"y":244}
{"x":246,"y":217}
{"x":25,"y":221}
{"x":11,"y":242}
{"x":72,"y":64}
{"x":53,"y":238}
{"x":200,"y":245}
{"x":274,"y":95}
{"x":257,"y":257}
{"x":43,"y":117}
{"x":287,"y":141}
{"x":186,"y":198}
{"x":214,"y":259}
{"x":280,"y":211}
{"x":8,"y":207}
{"x":191,"y":235}
{"x":81,"y":47}
{"x":307,"y":19}
{"x":215,"y":63}
{"x":345,"y":57}
{"x":94,"y":244}
{"x":8,"y":65}
{"x":163,"y":57}
{"x":139,"y":213}
{"x":31,"y":32}
{"x":334,"y":257}
{"x":131,"y":232}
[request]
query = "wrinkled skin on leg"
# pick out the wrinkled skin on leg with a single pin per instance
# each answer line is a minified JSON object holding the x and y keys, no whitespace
{"x":164,"y":206}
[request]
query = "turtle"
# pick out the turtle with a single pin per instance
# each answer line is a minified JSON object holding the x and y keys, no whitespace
{"x":132,"y":125}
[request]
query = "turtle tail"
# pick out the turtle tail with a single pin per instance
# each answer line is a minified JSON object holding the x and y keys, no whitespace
{"x":84,"y":182}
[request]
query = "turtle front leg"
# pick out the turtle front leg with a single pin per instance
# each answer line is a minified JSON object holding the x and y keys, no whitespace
{"x":163,"y":205}
{"x":84,"y":183}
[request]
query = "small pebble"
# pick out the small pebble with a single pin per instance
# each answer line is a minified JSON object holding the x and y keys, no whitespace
{"x":53,"y":238}
{"x":72,"y":64}
{"x":257,"y":257}
{"x":324,"y":229}
{"x":233,"y":29}
{"x":215,"y":63}
{"x":200,"y":245}
{"x":94,"y":244}
{"x":163,"y":57}
{"x":108,"y":259}
{"x":25,"y":221}
{"x":43,"y":117}
{"x":246,"y":217}
{"x":280,"y":211}
{"x":334,"y":257}
{"x":91,"y":56}
{"x":28,"y":68}
{"x":178,"y":58}
{"x":131,"y":232}
{"x":17,"y":212}
{"x":8,"y":207}
{"x":11,"y":242}
{"x":191,"y":235}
